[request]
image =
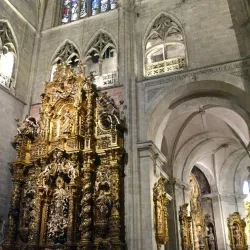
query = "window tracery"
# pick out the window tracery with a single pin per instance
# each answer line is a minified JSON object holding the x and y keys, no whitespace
{"x":73,"y":10}
{"x":7,"y":55}
{"x":101,"y":58}
{"x":67,"y":53}
{"x":164,"y":47}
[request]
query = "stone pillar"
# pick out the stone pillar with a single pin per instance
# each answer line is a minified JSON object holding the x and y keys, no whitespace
{"x":175,"y":189}
{"x":150,"y":170}
{"x":219,"y":221}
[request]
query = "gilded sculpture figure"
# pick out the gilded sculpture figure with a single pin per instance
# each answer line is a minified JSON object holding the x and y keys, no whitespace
{"x":160,"y":212}
{"x":237,"y":235}
{"x":67,"y":172}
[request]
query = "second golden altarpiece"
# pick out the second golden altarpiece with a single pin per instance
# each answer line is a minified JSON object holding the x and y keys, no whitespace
{"x":68,"y":172}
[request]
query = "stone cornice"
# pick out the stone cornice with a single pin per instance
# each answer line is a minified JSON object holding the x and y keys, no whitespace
{"x":194,"y":73}
{"x":153,"y":150}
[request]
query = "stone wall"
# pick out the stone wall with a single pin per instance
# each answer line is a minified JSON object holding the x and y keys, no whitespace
{"x":12,"y":105}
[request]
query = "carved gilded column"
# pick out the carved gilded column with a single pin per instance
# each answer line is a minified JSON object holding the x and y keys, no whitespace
{"x":86,"y":202}
{"x":71,"y":227}
{"x":195,"y":236}
{"x":115,"y":220}
{"x":35,"y":226}
{"x":12,"y":226}
{"x":45,"y":210}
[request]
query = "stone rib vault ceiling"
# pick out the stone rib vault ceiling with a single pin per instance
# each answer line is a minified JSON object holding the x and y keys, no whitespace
{"x":196,"y":131}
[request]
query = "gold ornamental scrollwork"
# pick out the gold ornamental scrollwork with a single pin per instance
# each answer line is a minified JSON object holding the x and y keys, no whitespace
{"x":236,"y":229}
{"x":160,"y":212}
{"x":67,"y":177}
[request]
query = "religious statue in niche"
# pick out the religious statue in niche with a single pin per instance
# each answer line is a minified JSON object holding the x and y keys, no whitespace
{"x":194,"y":193}
{"x":210,"y":229}
{"x":211,"y":239}
{"x":67,"y":122}
{"x":59,"y":164}
{"x":196,"y":211}
{"x":160,"y":212}
{"x":237,"y":236}
{"x":58,"y":215}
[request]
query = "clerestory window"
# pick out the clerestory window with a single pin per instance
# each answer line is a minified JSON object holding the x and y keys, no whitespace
{"x":164,"y":47}
{"x":101,"y":58}
{"x":8,"y":56}
{"x":67,"y":53}
{"x":73,"y":10}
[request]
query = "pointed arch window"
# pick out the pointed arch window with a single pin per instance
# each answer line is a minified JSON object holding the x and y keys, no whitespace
{"x":67,"y":53}
{"x":164,"y":47}
{"x":8,"y":56}
{"x":101,"y":58}
{"x":73,"y":10}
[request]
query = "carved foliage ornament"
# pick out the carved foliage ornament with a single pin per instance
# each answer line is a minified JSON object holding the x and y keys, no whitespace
{"x":160,"y":212}
{"x":237,"y":235}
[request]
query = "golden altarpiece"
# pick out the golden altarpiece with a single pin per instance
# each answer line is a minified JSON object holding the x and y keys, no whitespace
{"x":67,"y":176}
{"x":193,"y":229}
{"x":161,"y":199}
{"x":236,"y":230}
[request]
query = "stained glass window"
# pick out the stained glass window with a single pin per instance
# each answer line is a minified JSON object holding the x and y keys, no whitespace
{"x":66,"y":11}
{"x":95,"y":7}
{"x":104,"y":5}
{"x":83,"y":11}
{"x":113,"y":4}
{"x":75,"y":9}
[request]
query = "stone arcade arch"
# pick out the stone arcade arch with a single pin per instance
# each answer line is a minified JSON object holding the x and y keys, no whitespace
{"x":195,"y":125}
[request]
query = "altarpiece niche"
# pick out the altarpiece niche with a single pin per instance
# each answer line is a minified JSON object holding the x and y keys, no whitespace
{"x":236,"y":230}
{"x":67,"y":176}
{"x":197,"y":231}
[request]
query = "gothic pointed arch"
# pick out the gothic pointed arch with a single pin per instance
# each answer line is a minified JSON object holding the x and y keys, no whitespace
{"x":101,"y":58}
{"x":68,"y":53}
{"x":8,"y":55}
{"x":164,"y":46}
